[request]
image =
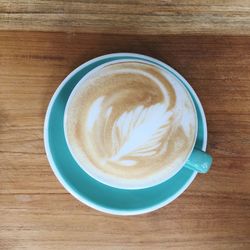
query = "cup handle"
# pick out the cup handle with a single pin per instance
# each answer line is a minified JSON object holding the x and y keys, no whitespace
{"x":199,"y":161}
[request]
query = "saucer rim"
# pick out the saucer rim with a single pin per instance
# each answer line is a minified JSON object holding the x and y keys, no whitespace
{"x":82,"y":198}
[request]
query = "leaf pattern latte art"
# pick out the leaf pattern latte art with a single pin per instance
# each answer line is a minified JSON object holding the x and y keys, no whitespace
{"x":135,"y":134}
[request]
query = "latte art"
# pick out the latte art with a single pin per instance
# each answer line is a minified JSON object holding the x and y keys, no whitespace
{"x":130,"y":121}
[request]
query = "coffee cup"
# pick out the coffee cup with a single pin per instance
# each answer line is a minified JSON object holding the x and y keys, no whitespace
{"x":130,"y":124}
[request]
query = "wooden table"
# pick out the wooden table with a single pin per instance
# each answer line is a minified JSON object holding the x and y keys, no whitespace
{"x":35,"y":210}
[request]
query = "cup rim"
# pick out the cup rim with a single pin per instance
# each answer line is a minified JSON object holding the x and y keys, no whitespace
{"x":110,"y":181}
{"x":82,"y":198}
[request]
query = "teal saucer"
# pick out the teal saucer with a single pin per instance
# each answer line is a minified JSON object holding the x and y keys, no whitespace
{"x":86,"y":189}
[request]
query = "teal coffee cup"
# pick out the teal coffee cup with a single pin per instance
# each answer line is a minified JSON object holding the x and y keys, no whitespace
{"x":110,"y":196}
{"x":130,"y":124}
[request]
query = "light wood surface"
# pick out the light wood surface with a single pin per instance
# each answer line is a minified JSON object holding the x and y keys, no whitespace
{"x":128,"y":16}
{"x":37,"y":213}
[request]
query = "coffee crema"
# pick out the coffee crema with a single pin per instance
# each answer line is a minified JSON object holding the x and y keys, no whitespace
{"x":130,"y":122}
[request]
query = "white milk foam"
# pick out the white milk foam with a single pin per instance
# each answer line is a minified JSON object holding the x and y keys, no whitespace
{"x":130,"y":123}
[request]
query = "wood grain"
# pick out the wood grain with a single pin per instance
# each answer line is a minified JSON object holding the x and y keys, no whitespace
{"x":128,"y":16}
{"x":37,"y":213}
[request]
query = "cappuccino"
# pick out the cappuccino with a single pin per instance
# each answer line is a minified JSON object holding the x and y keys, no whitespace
{"x":130,"y":124}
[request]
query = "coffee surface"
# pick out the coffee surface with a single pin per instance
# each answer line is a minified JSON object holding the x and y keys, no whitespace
{"x":130,"y":121}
